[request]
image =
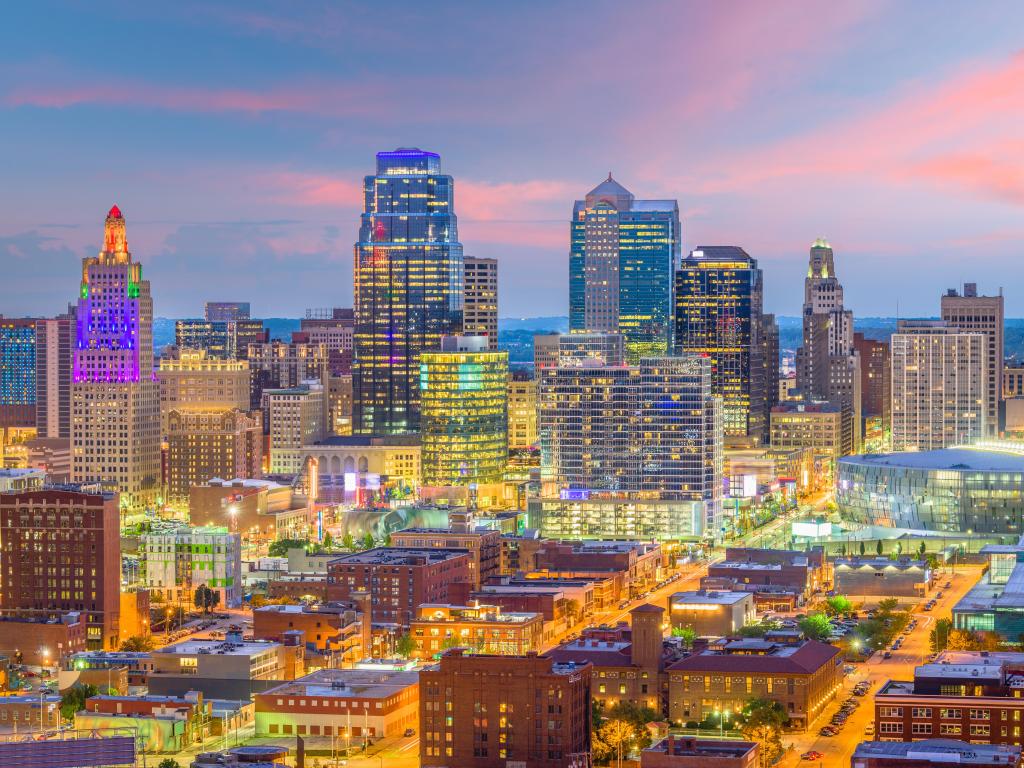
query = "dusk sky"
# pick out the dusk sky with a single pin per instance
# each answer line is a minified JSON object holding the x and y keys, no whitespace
{"x":235,"y":139}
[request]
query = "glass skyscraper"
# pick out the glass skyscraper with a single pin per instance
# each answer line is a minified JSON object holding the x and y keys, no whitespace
{"x":17,"y":372}
{"x":623,"y":253}
{"x":718,"y":315}
{"x":408,"y":286}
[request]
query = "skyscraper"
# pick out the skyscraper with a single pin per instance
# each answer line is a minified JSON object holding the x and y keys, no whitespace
{"x":480,"y":316}
{"x":939,"y":385}
{"x":333,"y":328}
{"x":622,"y":255}
{"x":17,"y":372}
{"x":981,"y":314}
{"x":115,"y":403}
{"x":54,"y":342}
{"x":226,"y":311}
{"x":719,"y":296}
{"x":227,"y":339}
{"x":408,"y":286}
{"x":875,"y":384}
{"x":827,"y":365}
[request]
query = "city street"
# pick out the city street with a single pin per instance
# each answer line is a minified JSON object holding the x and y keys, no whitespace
{"x":839,"y":748}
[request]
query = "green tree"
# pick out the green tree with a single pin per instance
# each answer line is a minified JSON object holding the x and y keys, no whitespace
{"x":405,"y":646}
{"x":387,"y":539}
{"x":938,"y":638}
{"x":888,"y":605}
{"x":878,"y":547}
{"x":686,"y":634}
{"x":73,"y":699}
{"x":758,"y":629}
{"x":328,"y":542}
{"x":168,"y":762}
{"x":347,"y":541}
{"x":862,"y":549}
{"x":838,"y":605}
{"x":138,"y":643}
{"x":617,"y":734}
{"x":280,"y":547}
{"x":922,"y":549}
{"x":368,"y":542}
{"x":815,"y":627}
{"x":762,"y":723}
{"x":206,"y":598}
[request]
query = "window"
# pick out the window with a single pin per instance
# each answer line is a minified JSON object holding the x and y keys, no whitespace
{"x":981,"y":714}
{"x":949,"y":729}
{"x":921,"y":712}
{"x":979,"y":730}
{"x":890,"y":711}
{"x":951,"y":714}
{"x":919,"y":729}
{"x":890,"y":727}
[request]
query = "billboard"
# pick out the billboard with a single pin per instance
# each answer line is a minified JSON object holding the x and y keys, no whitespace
{"x":64,"y":752}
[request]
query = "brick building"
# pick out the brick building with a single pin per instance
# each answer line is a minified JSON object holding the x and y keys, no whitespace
{"x":484,"y":546}
{"x":334,"y":629}
{"x":680,"y":752}
{"x":73,"y":562}
{"x":479,"y":627}
{"x":399,"y":579}
{"x":495,"y":711}
{"x":638,"y":564}
{"x":803,"y":676}
{"x":43,"y":643}
{"x":930,"y":752}
{"x":802,"y":572}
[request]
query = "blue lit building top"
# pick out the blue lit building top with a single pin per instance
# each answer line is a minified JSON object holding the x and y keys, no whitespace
{"x":406,"y":161}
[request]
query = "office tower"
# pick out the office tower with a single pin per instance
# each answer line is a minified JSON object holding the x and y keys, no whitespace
{"x":972,"y":313}
{"x":480,"y":313}
{"x":876,"y":395}
{"x":719,"y":297}
{"x":339,"y":404}
{"x":282,"y":364}
{"x":522,"y":411}
{"x":226,"y":311}
{"x":827,"y":365}
{"x":623,"y":252}
{"x":545,"y":351}
{"x":17,"y":372}
{"x":464,"y":413}
{"x":939,"y":385}
{"x":176,"y":559}
{"x":61,"y":553}
{"x":219,"y":338}
{"x":115,"y":404}
{"x":483,"y":711}
{"x":333,"y":328}
{"x":586,"y":349}
{"x":824,"y":427}
{"x":408,"y":286}
{"x":297,"y":416}
{"x":207,"y":443}
{"x":630,"y":451}
{"x":53,"y":375}
{"x":193,"y":380}
{"x":770,"y":359}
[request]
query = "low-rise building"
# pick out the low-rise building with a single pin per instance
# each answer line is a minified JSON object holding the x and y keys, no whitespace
{"x":29,"y":712}
{"x":685,"y":752}
{"x":480,"y":628}
{"x":257,"y":508}
{"x":930,"y":752}
{"x":355,"y":704}
{"x":711,"y":614}
{"x":483,"y":545}
{"x":803,"y":573}
{"x":354,"y":468}
{"x":42,"y":641}
{"x":873,"y":576}
{"x":148,"y":714}
{"x":996,"y":602}
{"x":637,"y":563}
{"x":177,"y":559}
{"x":333,"y":629}
{"x":801,"y":675}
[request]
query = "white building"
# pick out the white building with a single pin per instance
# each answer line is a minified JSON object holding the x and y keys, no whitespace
{"x":298,"y":417}
{"x":176,"y":560}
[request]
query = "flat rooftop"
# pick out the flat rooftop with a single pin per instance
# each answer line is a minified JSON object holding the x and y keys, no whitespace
{"x":700,"y":597}
{"x":367,"y":441}
{"x":217,"y":648}
{"x":939,"y":751}
{"x":398,"y":556}
{"x":348,"y":683}
{"x":953,"y":459}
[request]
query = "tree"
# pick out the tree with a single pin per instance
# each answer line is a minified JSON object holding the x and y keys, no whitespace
{"x":138,"y":643}
{"x":638,"y":717}
{"x":686,"y":634}
{"x":280,"y":547}
{"x":759,"y":629}
{"x":963,"y":640}
{"x":938,"y":638}
{"x":862,"y":549}
{"x":73,"y":699}
{"x":347,"y":541}
{"x":762,"y":722}
{"x":922,"y":549}
{"x":878,"y":547}
{"x":206,"y":598}
{"x":328,"y":542}
{"x":168,"y":762}
{"x":815,"y":627}
{"x":617,"y":734}
{"x":888,"y":605}
{"x":368,"y":541}
{"x":405,"y":646}
{"x":837,"y":605}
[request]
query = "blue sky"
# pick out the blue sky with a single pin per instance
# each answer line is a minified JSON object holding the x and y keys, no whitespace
{"x":234,"y":137}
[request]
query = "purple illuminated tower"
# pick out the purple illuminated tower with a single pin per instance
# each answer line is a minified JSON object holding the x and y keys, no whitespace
{"x":115,"y":406}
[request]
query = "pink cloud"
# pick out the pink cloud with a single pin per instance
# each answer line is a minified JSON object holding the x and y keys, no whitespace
{"x":310,"y":189}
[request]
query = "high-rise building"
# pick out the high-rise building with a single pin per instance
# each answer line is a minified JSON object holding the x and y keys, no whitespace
{"x":480,"y":313}
{"x":220,"y":338}
{"x":464,"y":413}
{"x":54,"y":341}
{"x":115,"y":404}
{"x":339,"y":404}
{"x":622,"y":256}
{"x":875,"y":372}
{"x":522,"y":411}
{"x":824,"y":427}
{"x":334,"y":329}
{"x":939,"y":385}
{"x":177,"y":559}
{"x":282,"y":364}
{"x":972,"y":313}
{"x":827,"y":365}
{"x":588,"y":349}
{"x":483,"y":711}
{"x":193,"y":380}
{"x":719,"y":297}
{"x":545,"y":351}
{"x":770,"y":359}
{"x":408,"y":286}
{"x":297,"y":416}
{"x":207,"y":443}
{"x":226,"y":311}
{"x":630,"y":452}
{"x":61,"y":550}
{"x":17,"y":372}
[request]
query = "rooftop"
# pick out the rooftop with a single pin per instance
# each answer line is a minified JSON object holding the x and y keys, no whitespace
{"x":742,"y":657}
{"x":217,"y":647}
{"x":682,"y":746}
{"x":939,"y":751}
{"x":399,"y":556}
{"x":368,"y":441}
{"x":962,"y":459}
{"x":707,"y":597}
{"x":348,"y":683}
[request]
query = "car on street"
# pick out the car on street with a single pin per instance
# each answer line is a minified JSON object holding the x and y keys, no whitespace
{"x":887,"y":655}
{"x":409,"y":732}
{"x":812,"y":755}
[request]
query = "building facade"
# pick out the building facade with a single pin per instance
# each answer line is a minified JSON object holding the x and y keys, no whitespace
{"x":206,"y":444}
{"x":17,"y":372}
{"x":825,"y":427}
{"x":408,"y":286}
{"x":54,"y":342}
{"x":718,"y":314}
{"x":193,"y":379}
{"x":478,"y":628}
{"x":115,"y":414}
{"x":971,"y":313}
{"x":335,"y":329}
{"x":226,"y":311}
{"x":296,"y":417}
{"x":522,"y":411}
{"x":178,"y":559}
{"x":220,"y":338}
{"x":480,"y":314}
{"x":939,"y":386}
{"x":875,"y":383}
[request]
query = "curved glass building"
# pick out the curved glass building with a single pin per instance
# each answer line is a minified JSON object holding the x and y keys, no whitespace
{"x":957,"y":490}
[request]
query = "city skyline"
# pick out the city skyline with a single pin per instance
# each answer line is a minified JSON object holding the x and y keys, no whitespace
{"x":899,"y":149}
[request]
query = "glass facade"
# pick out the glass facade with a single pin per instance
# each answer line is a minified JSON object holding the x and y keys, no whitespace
{"x":464,"y":417}
{"x":622,"y":255}
{"x":718,"y":295}
{"x":17,"y":362}
{"x":954,"y":490}
{"x":408,"y":286}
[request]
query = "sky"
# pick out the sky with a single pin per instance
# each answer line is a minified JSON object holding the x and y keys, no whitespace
{"x":234,"y":137}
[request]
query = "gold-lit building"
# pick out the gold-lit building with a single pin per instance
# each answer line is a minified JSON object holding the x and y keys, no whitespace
{"x":522,"y":412}
{"x":480,"y":288}
{"x":464,"y":412}
{"x":480,"y":628}
{"x":202,"y":444}
{"x":196,"y":380}
{"x":339,"y":404}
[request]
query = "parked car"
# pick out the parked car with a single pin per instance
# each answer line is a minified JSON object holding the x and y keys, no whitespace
{"x":409,"y":732}
{"x":887,"y":655}
{"x":812,"y":755}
